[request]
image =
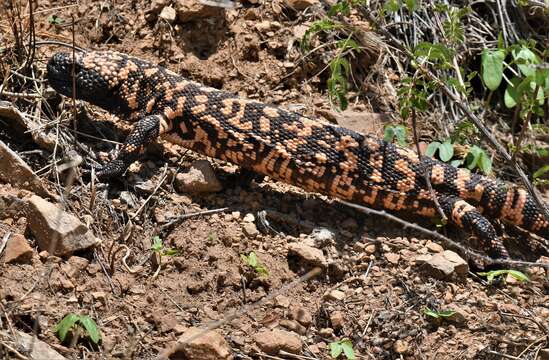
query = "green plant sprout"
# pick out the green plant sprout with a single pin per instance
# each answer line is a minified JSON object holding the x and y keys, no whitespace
{"x":252,"y":261}
{"x":438,"y":314}
{"x":343,"y":346}
{"x":395,"y":132}
{"x":77,"y":326}
{"x":344,"y":48}
{"x":160,"y":251}
{"x":494,"y":274}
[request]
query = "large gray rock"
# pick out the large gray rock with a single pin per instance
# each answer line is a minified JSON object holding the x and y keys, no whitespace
{"x":55,"y":230}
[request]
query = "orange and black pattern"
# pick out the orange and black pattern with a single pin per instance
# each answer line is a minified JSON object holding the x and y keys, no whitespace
{"x":286,"y":146}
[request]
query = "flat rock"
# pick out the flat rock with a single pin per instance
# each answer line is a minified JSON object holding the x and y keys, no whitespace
{"x":250,"y":229}
{"x":434,"y":247}
{"x":15,"y":171}
{"x":446,"y":265}
{"x":294,"y":326}
{"x":335,"y":294}
{"x":272,"y":341}
{"x":168,"y":13}
{"x":199,"y":178}
{"x":392,"y":258}
{"x":49,"y":223}
{"x":337,"y":318}
{"x":301,"y":315}
{"x":308,"y":254}
{"x":193,"y":346}
{"x":30,"y":346}
{"x":401,"y":347}
{"x":189,"y":10}
{"x":17,"y":250}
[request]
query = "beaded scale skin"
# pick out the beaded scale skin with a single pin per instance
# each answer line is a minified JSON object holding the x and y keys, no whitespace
{"x":286,"y":146}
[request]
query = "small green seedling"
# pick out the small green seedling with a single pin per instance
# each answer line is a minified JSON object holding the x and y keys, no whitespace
{"x":475,"y":158}
{"x":542,"y":171}
{"x":445,"y":150}
{"x":160,"y":250}
{"x":212,"y":237}
{"x":395,"y":132}
{"x":438,"y":314}
{"x":78,"y":326}
{"x":252,"y":261}
{"x":343,"y":346}
{"x":55,"y":20}
{"x":494,"y":274}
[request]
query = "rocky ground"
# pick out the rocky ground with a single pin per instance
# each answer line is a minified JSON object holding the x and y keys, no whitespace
{"x":69,"y":246}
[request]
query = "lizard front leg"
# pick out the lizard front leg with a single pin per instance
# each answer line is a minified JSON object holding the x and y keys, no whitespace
{"x":143,"y":133}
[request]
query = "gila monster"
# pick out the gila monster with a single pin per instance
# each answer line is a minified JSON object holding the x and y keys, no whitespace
{"x":286,"y":146}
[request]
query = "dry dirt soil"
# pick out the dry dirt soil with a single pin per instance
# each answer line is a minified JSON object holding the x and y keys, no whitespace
{"x":371,"y":289}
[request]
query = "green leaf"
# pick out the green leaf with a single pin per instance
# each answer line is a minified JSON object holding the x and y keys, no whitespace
{"x":341,"y":7}
{"x":432,"y":148}
{"x":492,"y":68}
{"x":434,"y":52}
{"x":541,"y":171}
{"x":344,"y":346}
{"x":397,"y":132}
{"x":63,"y":327}
{"x":252,"y":259}
{"x":91,"y":328}
{"x":317,"y":26}
{"x":391,"y":6}
{"x":485,"y":163}
{"x":512,"y":97}
{"x":473,"y":157}
{"x":490,"y":275}
{"x":55,"y":20}
{"x":157,"y":244}
{"x":348,"y":44}
{"x":456,"y":162}
{"x":520,"y":276}
{"x":524,"y":58}
{"x":347,"y":346}
{"x":452,"y":27}
{"x":335,"y":349}
{"x":170,"y":252}
{"x":446,"y":151}
{"x":261,"y":270}
{"x":411,"y":5}
{"x":337,"y":83}
{"x":438,"y":314}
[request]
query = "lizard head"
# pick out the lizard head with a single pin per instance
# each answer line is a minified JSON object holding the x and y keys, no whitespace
{"x":96,"y":76}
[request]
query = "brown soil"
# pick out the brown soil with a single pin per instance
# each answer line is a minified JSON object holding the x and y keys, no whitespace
{"x":250,"y":51}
